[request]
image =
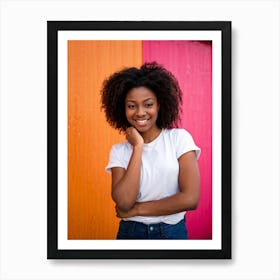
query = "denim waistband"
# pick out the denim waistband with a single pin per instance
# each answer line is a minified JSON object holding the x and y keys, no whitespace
{"x":149,"y":227}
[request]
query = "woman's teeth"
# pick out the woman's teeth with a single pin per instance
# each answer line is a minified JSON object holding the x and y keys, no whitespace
{"x":141,"y":122}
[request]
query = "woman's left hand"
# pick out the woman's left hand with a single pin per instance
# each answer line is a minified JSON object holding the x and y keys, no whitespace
{"x":126,"y":214}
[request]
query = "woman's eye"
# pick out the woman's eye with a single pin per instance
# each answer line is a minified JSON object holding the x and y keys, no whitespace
{"x":130,"y":106}
{"x":149,"y":105}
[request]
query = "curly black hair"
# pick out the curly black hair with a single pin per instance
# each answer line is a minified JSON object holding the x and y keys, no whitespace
{"x":152,"y":76}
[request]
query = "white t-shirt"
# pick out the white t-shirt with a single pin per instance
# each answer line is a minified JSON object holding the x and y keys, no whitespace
{"x":159,"y":169}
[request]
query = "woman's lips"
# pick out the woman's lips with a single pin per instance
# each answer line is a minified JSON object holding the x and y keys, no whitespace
{"x":141,"y":122}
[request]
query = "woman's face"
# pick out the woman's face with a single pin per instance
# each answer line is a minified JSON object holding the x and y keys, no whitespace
{"x":141,"y":109}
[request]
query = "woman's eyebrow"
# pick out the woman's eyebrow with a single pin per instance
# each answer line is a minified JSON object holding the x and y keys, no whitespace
{"x":149,"y":99}
{"x":130,"y":100}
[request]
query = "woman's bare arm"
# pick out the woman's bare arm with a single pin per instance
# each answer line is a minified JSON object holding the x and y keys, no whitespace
{"x":186,"y":199}
{"x":125,"y":183}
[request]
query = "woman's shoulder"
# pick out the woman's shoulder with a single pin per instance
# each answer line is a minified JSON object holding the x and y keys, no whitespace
{"x":183,"y":141}
{"x":176,"y":132}
{"x":121,"y":147}
{"x":178,"y":135}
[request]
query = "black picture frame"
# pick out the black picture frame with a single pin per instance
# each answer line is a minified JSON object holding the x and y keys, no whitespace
{"x":53,"y":252}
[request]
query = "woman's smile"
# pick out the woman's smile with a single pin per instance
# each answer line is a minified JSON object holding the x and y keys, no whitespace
{"x":142,"y":122}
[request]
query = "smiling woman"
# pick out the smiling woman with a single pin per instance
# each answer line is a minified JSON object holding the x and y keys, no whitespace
{"x":155,"y":175}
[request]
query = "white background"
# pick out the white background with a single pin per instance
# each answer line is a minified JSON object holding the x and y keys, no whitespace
{"x":255,"y":139}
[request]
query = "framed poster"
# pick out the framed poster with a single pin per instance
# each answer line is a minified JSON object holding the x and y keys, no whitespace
{"x":82,"y":222}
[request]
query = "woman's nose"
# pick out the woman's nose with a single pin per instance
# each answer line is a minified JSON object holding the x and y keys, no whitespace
{"x":140,"y":111}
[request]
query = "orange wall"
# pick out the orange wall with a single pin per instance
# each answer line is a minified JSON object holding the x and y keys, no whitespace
{"x":91,"y":213}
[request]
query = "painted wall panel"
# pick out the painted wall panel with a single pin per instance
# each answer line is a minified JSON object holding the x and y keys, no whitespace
{"x":91,"y":213}
{"x":191,"y":63}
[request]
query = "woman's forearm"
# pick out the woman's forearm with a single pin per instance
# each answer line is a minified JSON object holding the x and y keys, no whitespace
{"x":166,"y":206}
{"x":126,"y":189}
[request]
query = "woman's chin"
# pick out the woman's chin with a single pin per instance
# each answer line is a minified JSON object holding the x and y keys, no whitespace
{"x":142,"y":127}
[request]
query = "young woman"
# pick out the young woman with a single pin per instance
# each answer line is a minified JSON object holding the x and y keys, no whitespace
{"x":155,"y":175}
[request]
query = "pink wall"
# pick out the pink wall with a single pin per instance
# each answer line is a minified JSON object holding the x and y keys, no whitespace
{"x":191,"y":63}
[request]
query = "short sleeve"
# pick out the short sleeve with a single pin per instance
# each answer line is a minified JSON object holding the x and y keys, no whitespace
{"x":115,"y":159}
{"x":185,"y":143}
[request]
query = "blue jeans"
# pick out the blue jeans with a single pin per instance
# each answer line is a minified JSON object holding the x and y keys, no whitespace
{"x":136,"y":230}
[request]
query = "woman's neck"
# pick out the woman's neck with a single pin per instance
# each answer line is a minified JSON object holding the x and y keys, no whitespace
{"x":149,"y":136}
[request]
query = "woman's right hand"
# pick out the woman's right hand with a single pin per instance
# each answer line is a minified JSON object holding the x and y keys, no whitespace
{"x":134,"y":137}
